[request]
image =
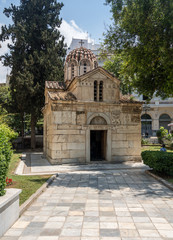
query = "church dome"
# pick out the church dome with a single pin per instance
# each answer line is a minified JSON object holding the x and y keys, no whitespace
{"x":81,"y":53}
{"x":78,"y":62}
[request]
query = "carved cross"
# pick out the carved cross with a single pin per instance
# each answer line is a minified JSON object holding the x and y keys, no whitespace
{"x":81,"y":42}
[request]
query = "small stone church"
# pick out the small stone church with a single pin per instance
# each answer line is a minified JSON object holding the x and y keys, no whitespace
{"x":86,"y":118}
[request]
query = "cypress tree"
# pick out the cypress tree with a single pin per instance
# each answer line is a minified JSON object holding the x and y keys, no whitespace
{"x":36,"y":54}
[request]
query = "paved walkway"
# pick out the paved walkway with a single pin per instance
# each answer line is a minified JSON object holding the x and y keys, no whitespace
{"x":37,"y":164}
{"x":99,"y":205}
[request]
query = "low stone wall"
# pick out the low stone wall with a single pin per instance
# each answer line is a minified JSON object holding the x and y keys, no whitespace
{"x":17,"y":143}
{"x":9,"y":209}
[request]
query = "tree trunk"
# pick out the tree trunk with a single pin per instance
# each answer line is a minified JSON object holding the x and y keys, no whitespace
{"x":22,"y":129}
{"x":33,"y":124}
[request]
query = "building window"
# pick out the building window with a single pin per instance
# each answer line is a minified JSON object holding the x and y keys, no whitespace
{"x":72,"y":70}
{"x":164,"y":120}
{"x":146,"y":122}
{"x":144,"y":98}
{"x":85,"y":68}
{"x":101,"y":91}
{"x":95,"y":90}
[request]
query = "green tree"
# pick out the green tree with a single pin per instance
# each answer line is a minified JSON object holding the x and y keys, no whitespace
{"x":5,"y":100}
{"x":10,"y":114}
{"x":114,"y":64}
{"x":36,"y":54}
{"x":142,"y":31}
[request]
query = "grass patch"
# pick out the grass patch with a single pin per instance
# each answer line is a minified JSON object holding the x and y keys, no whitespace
{"x":153,"y":148}
{"x":28,"y":184}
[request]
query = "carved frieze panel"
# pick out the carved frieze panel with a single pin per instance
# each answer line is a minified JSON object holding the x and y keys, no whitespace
{"x":137,"y":109}
{"x":116,"y":118}
{"x":129,"y":109}
{"x":135,"y":118}
{"x":81,"y":119}
{"x":56,"y":108}
{"x":126,"y":118}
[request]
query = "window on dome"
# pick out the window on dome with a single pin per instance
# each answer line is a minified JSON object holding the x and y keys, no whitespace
{"x":95,"y":64}
{"x":101,"y":91}
{"x":85,"y":68}
{"x":72,"y":70}
{"x":95,"y":90}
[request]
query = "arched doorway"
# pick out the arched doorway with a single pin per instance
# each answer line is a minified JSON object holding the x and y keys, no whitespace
{"x":98,"y":140}
{"x":164,"y":120}
{"x":146,"y":125}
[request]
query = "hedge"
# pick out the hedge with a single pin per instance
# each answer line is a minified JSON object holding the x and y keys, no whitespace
{"x":160,"y":161}
{"x":6,"y":134}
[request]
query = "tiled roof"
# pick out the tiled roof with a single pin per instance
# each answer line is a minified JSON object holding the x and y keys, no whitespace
{"x":55,"y":85}
{"x":128,"y":99}
{"x":63,"y":96}
{"x":81,"y":53}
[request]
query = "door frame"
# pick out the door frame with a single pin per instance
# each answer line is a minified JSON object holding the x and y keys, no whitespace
{"x":108,"y":154}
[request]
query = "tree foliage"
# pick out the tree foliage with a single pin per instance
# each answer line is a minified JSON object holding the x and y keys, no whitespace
{"x":36,"y":53}
{"x":114,"y":64}
{"x":5,"y":100}
{"x":142,"y":31}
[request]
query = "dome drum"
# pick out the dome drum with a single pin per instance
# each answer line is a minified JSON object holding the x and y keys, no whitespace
{"x":78,"y":62}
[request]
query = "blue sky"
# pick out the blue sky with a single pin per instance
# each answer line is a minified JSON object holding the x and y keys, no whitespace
{"x":81,"y":19}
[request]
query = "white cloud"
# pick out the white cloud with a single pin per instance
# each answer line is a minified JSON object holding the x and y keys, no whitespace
{"x":4,"y":49}
{"x":68,"y":30}
{"x":72,"y":30}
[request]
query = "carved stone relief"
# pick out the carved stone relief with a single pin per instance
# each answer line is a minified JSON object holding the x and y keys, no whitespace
{"x":136,"y":118}
{"x":129,"y":109}
{"x":98,"y":121}
{"x":116,"y":118}
{"x":80,"y":117}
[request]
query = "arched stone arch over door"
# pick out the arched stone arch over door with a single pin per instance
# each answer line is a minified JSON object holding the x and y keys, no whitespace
{"x":103,"y":115}
{"x":98,"y":121}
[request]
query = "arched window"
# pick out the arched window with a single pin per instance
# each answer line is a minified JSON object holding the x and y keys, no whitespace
{"x":164,"y":120}
{"x":146,"y":128}
{"x":85,"y":68}
{"x":72,"y":70}
{"x":95,"y":64}
{"x":95,"y":90}
{"x":101,"y":91}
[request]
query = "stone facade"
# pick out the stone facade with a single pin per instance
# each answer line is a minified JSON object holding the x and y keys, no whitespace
{"x":87,"y":120}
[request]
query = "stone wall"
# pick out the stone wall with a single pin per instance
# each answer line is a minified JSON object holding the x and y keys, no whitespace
{"x":68,"y":126}
{"x":84,"y":91}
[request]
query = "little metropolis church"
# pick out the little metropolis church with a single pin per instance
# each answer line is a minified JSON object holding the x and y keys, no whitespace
{"x":86,"y":118}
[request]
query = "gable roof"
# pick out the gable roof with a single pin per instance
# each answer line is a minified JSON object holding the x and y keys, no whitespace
{"x":92,"y":72}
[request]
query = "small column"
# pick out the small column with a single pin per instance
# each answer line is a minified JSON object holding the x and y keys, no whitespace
{"x":87,"y":141}
{"x":109,"y":146}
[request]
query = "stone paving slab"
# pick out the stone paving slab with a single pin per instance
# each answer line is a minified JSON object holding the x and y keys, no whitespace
{"x":99,"y":205}
{"x":37,"y":164}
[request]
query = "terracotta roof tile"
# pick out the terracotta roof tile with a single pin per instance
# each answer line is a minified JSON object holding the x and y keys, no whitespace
{"x":128,"y":99}
{"x":80,"y":53}
{"x":55,"y":85}
{"x":63,"y":96}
